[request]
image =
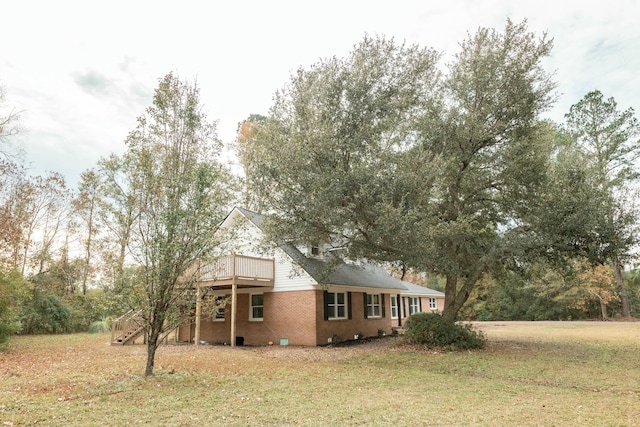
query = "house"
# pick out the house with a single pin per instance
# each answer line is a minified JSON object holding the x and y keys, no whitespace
{"x":283,"y":294}
{"x":289,"y":295}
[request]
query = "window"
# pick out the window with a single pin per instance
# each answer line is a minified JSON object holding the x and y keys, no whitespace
{"x":257,"y":307}
{"x":220,"y":303}
{"x":374,"y":306}
{"x":394,"y":307}
{"x":433,"y":304}
{"x":315,"y":251}
{"x":414,"y":305}
{"x":336,"y":305}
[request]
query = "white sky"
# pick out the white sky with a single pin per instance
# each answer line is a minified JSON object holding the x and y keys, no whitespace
{"x":84,"y":70}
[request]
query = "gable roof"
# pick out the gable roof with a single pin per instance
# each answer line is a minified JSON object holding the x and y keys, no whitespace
{"x":421,"y":290}
{"x":254,"y":217}
{"x":341,"y":273}
{"x":337,"y":272}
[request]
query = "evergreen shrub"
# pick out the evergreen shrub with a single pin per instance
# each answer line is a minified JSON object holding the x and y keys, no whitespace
{"x":431,"y":330}
{"x":46,"y":313}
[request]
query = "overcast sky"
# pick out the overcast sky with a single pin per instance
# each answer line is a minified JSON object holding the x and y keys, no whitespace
{"x":82,"y":71}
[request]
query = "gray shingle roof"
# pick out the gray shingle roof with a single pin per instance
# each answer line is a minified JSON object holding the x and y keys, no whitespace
{"x":337,"y":272}
{"x":420,"y":290}
{"x":341,"y":273}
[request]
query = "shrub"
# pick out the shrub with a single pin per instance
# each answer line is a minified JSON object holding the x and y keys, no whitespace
{"x":82,"y":312}
{"x":6,"y":330}
{"x":336,"y":339}
{"x":45,"y":313}
{"x":13,"y":291}
{"x":432,"y":330}
{"x":100,"y":326}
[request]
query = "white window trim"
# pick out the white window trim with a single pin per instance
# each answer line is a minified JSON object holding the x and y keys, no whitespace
{"x":373,"y":306}
{"x":335,"y":304}
{"x":433,"y":304}
{"x":251,"y":307}
{"x":394,"y":307}
{"x":414,"y":308}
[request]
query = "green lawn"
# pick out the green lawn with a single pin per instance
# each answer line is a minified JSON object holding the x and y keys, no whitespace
{"x":531,"y":374}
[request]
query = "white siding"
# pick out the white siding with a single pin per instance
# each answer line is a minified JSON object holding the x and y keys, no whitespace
{"x":247,"y":239}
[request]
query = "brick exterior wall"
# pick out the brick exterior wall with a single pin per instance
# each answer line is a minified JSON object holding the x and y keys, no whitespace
{"x":297,"y":316}
{"x":288,"y":315}
{"x":358,"y":324}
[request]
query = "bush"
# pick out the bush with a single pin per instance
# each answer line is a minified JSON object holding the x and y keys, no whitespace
{"x":46,"y":313}
{"x":13,"y":291}
{"x":432,"y":330}
{"x":100,"y":326}
{"x":6,"y":329}
{"x":82,"y":312}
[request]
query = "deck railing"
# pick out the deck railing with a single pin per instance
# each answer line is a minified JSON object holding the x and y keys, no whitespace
{"x":238,"y":267}
{"x":126,"y":328}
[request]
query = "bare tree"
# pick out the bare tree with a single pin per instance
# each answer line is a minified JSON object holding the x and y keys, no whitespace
{"x":116,"y":211}
{"x":12,"y":190}
{"x":44,"y":208}
{"x":9,"y":126}
{"x":85,"y":207}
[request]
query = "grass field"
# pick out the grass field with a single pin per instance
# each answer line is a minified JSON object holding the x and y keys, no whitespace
{"x":531,"y":374}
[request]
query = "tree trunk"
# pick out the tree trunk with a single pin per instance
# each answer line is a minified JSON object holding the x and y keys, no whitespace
{"x":87,"y":263}
{"x":152,"y":344}
{"x":455,"y":295}
{"x":450,"y":311}
{"x":122,"y":255}
{"x":622,"y":289}
{"x":603,"y":309}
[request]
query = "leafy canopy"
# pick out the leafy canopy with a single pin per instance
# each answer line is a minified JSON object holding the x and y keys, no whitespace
{"x":180,"y":194}
{"x":391,"y":156}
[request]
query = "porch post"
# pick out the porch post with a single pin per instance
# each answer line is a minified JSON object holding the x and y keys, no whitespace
{"x":234,"y":305}
{"x":198,"y":313}
{"x":234,"y":300}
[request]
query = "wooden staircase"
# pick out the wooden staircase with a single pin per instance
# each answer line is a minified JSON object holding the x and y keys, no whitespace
{"x":126,"y":328}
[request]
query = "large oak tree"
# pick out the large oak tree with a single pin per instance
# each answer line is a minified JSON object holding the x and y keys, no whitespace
{"x":391,"y":156}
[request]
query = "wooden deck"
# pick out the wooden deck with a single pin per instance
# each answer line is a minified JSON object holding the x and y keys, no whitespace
{"x":127,"y":328}
{"x":228,"y":272}
{"x":239,"y":270}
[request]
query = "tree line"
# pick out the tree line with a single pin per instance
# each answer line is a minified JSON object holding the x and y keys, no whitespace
{"x":445,"y":173}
